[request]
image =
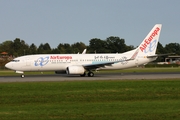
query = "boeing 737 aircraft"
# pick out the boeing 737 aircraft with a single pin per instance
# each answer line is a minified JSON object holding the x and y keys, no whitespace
{"x":80,"y":64}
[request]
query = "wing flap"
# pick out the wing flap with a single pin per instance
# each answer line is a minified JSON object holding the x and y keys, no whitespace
{"x":97,"y":65}
{"x":102,"y":64}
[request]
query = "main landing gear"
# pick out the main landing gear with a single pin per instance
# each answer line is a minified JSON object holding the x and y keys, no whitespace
{"x":22,"y":76}
{"x":90,"y":74}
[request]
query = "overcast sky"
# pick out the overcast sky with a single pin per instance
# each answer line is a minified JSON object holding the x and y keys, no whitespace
{"x":71,"y":21}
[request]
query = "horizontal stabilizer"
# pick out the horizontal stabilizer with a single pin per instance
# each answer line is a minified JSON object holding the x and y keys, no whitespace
{"x":159,"y":55}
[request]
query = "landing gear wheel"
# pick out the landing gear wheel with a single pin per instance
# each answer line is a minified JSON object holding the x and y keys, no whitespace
{"x":83,"y":75}
{"x":22,"y":76}
{"x":90,"y":74}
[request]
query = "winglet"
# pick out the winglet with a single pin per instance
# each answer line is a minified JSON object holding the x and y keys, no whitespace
{"x":135,"y":54}
{"x":84,"y":51}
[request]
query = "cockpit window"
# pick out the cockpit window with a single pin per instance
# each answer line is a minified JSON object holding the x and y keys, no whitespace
{"x":15,"y":60}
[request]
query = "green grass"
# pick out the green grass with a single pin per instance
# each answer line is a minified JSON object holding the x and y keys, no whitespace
{"x":91,"y":100}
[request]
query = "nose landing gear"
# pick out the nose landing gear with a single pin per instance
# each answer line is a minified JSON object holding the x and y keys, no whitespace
{"x":22,"y":76}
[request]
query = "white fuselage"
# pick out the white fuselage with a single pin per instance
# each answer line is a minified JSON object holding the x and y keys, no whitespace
{"x":59,"y":62}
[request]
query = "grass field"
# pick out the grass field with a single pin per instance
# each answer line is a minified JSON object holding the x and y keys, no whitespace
{"x":91,"y":100}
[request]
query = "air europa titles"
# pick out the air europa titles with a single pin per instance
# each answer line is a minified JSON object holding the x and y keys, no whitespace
{"x":148,"y":41}
{"x":42,"y":61}
{"x":60,"y":57}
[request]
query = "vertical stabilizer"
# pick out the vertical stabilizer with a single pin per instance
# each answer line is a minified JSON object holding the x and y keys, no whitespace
{"x":149,"y":44}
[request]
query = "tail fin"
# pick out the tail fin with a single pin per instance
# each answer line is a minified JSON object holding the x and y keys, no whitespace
{"x":149,"y":44}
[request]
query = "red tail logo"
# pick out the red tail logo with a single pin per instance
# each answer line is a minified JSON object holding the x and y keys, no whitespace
{"x":148,"y":41}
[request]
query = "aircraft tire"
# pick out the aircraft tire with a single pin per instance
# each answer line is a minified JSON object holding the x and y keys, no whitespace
{"x":91,"y":74}
{"x":22,"y":76}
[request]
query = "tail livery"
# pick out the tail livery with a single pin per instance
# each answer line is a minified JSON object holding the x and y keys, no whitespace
{"x":149,"y":44}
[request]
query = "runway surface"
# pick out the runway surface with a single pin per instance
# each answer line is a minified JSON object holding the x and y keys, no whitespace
{"x":99,"y":76}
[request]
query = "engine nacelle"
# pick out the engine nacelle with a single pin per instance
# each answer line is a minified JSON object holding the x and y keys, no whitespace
{"x":78,"y":69}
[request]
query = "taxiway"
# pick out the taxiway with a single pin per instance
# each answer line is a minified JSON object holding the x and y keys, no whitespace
{"x":99,"y":76}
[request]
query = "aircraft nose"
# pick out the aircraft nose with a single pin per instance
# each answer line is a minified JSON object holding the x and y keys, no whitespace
{"x":8,"y":65}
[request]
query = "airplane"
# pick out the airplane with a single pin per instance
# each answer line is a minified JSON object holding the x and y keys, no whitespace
{"x":82,"y":64}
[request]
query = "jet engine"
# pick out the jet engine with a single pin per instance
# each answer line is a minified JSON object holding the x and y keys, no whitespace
{"x":75,"y":70}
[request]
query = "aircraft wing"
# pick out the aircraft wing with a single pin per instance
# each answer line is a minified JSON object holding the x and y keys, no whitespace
{"x":101,"y":64}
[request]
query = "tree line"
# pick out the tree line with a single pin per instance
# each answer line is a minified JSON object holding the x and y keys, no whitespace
{"x":111,"y":44}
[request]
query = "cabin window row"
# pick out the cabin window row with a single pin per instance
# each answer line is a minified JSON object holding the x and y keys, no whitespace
{"x":91,"y":60}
